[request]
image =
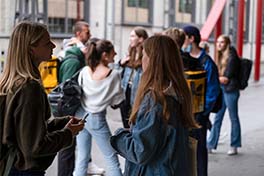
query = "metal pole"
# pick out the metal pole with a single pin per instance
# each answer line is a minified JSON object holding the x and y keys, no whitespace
{"x":106,"y":19}
{"x":66,"y":16}
{"x":33,"y":11}
{"x":258,"y":40}
{"x":78,"y":10}
{"x":113,"y":21}
{"x":240,"y":27}
{"x":45,"y":11}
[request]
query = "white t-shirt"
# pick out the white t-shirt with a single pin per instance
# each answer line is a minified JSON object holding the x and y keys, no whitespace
{"x":98,"y":94}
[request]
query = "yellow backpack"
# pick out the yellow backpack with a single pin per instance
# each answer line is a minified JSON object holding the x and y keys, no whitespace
{"x":197,"y":81}
{"x":49,"y":71}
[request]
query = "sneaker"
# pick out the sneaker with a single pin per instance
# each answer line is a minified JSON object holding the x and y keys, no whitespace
{"x":93,"y":169}
{"x":232,"y":151}
{"x":210,"y":151}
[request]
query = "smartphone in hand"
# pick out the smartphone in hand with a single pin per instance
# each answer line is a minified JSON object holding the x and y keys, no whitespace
{"x":84,"y":117}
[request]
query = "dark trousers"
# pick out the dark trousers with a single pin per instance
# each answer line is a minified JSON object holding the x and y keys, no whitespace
{"x":15,"y":172}
{"x":66,"y":158}
{"x":125,"y":108}
{"x":200,"y":135}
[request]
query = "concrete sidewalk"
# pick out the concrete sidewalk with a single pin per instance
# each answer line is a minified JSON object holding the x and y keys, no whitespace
{"x":250,"y":160}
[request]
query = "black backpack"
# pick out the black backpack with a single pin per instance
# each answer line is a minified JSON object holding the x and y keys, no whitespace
{"x":7,"y":153}
{"x":65,"y":99}
{"x":244,"y":72}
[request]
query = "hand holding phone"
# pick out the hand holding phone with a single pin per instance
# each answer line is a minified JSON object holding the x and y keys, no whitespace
{"x":84,"y":117}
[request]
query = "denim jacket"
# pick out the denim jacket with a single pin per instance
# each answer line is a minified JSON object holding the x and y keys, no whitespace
{"x":125,"y":79}
{"x":152,"y":147}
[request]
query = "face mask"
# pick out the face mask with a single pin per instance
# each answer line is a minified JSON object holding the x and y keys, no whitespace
{"x":188,"y":49}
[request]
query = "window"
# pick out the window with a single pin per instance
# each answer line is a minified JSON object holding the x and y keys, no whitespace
{"x":57,"y":25}
{"x":184,"y":11}
{"x":137,"y":12}
{"x":189,"y":12}
{"x":61,"y":21}
{"x":185,"y":6}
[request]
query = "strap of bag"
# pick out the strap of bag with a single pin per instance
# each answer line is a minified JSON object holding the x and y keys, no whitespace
{"x":11,"y":157}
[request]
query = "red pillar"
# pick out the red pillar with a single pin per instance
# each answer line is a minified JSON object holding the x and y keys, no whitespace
{"x":258,"y":40}
{"x":240,"y":27}
{"x":218,"y":32}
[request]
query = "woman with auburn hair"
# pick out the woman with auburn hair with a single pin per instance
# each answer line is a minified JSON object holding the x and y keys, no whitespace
{"x":132,"y":71}
{"x":27,"y":125}
{"x":228,"y":64}
{"x":161,"y":115}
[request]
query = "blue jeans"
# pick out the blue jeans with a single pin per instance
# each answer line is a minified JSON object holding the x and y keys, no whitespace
{"x":97,"y":127}
{"x":231,"y":103}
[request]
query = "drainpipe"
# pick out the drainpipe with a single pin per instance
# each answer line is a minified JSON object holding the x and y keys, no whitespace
{"x":258,"y":40}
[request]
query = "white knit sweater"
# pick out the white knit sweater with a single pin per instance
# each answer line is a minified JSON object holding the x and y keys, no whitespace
{"x":98,"y":94}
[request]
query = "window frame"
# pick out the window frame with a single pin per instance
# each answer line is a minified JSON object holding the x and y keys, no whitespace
{"x":68,"y":34}
{"x":150,"y":17}
{"x":172,"y":15}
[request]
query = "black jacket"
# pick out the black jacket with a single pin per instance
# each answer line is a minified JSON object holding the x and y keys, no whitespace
{"x":232,"y":71}
{"x":28,"y":127}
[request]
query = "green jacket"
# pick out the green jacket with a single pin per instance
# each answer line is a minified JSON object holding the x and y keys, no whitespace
{"x":30,"y":129}
{"x":73,"y":61}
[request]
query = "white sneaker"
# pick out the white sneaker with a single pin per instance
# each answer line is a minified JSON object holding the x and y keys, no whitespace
{"x":210,"y":151}
{"x":232,"y":151}
{"x":93,"y":169}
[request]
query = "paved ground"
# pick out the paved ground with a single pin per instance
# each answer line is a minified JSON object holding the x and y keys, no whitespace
{"x":249,"y":161}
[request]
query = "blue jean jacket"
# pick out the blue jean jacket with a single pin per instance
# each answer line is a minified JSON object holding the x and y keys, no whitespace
{"x":135,"y":81}
{"x":152,"y":147}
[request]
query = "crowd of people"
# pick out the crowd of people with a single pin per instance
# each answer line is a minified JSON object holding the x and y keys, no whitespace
{"x":148,"y":86}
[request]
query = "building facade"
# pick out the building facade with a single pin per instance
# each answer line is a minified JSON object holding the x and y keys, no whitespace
{"x":114,"y":19}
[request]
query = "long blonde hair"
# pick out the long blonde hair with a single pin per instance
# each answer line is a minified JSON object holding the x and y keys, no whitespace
{"x":222,"y":56}
{"x":165,"y":65}
{"x":19,"y":65}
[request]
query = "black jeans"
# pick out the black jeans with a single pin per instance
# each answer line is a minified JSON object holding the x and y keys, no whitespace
{"x":125,"y":108}
{"x":200,"y":135}
{"x":66,"y":158}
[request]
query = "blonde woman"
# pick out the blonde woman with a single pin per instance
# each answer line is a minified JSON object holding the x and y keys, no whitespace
{"x":161,"y":117}
{"x":27,"y":126}
{"x":228,"y":66}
